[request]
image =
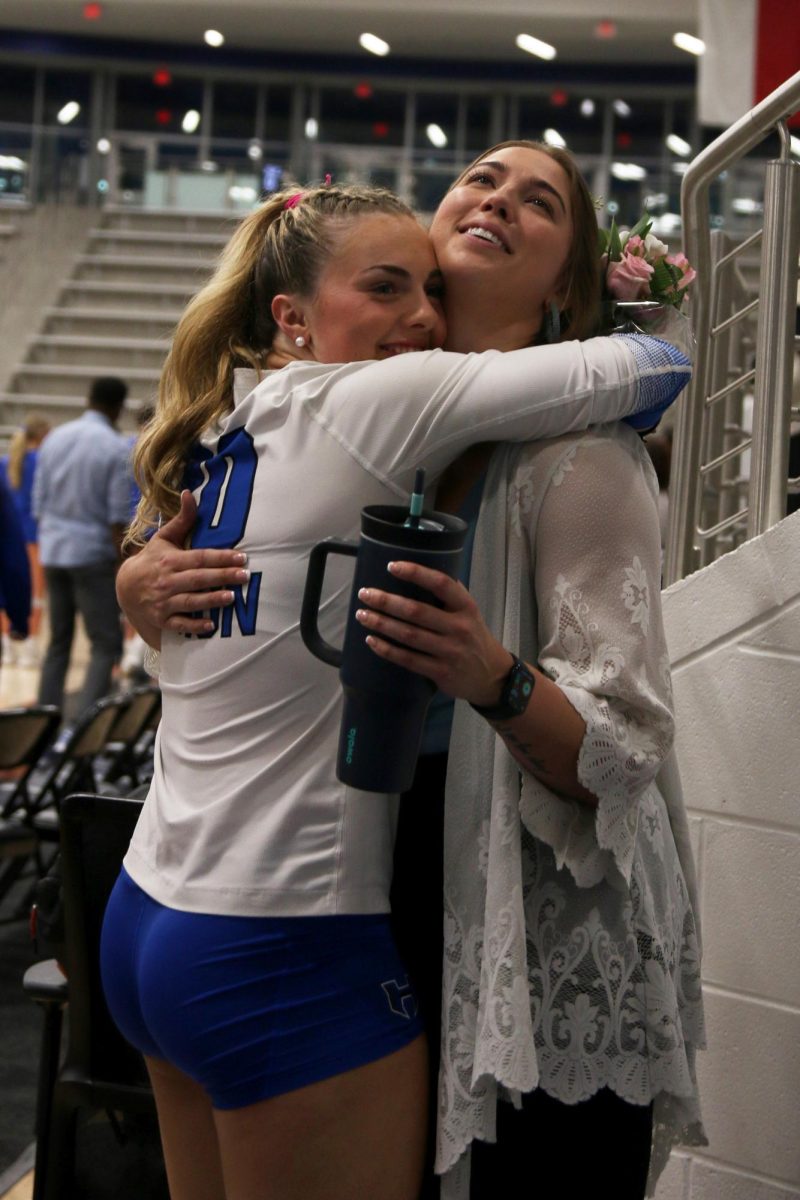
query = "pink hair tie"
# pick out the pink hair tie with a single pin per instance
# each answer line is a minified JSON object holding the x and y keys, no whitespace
{"x":293,"y":200}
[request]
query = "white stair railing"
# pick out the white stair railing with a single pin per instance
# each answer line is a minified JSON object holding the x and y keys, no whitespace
{"x":715,"y":502}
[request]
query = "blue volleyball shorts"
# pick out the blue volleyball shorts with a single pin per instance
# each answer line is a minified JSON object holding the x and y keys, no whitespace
{"x":252,"y":1007}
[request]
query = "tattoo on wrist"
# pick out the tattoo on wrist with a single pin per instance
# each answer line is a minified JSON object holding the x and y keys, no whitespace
{"x":536,"y":766}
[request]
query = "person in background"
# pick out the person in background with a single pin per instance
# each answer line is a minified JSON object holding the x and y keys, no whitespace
{"x":81,"y":499}
{"x":17,"y":468}
{"x":15,"y":578}
{"x":135,"y":647}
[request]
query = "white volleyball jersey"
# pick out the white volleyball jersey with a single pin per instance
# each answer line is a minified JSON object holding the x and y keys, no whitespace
{"x":245,"y":814}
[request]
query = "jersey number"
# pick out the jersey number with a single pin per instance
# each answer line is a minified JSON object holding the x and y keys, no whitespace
{"x":224,"y":505}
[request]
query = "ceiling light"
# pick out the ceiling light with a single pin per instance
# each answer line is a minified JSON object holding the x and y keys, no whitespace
{"x":621,"y":108}
{"x":692,"y":45}
{"x":209,"y":165}
{"x":191,"y":120}
{"x":68,"y":113}
{"x":678,"y":145}
{"x":587,"y":108}
{"x":532,"y":45}
{"x":795,"y":145}
{"x":213,"y":37}
{"x":552,"y":137}
{"x":375,"y":45}
{"x":11,"y":163}
{"x":627,"y":171}
{"x":254,"y":151}
{"x":680,"y":168}
{"x":656,"y":200}
{"x":436,"y":136}
{"x":312,"y":128}
{"x":103,"y":146}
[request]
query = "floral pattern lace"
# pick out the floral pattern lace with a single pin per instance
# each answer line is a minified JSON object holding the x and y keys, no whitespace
{"x":571,"y":945}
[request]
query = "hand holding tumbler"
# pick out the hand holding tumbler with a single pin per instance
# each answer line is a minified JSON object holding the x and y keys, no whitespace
{"x":384,"y":704}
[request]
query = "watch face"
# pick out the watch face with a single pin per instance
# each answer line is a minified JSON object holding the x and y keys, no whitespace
{"x":520,"y":688}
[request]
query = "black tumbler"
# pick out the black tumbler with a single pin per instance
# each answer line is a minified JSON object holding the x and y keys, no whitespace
{"x":384,"y":705}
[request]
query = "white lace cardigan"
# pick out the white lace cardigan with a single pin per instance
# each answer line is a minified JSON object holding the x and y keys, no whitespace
{"x":571,"y":944}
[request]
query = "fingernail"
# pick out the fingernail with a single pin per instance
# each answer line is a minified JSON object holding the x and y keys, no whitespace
{"x":227,"y":597}
{"x":240,"y":558}
{"x":208,"y":626}
{"x":243,"y":576}
{"x":365,"y":594}
{"x":392,"y":566}
{"x":360,"y":614}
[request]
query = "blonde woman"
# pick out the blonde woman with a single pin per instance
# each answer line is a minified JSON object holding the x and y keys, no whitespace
{"x":247,"y":949}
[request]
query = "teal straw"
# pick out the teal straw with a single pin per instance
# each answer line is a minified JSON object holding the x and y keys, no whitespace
{"x":417,"y":500}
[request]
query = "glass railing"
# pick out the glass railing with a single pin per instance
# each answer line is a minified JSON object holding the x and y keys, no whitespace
{"x":159,"y":171}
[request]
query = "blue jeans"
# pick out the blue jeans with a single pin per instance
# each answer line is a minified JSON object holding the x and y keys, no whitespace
{"x":89,"y":591}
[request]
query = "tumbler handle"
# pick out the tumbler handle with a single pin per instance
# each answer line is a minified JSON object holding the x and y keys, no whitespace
{"x":309,"y":613}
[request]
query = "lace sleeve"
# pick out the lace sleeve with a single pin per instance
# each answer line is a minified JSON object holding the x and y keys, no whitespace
{"x":601,"y":639}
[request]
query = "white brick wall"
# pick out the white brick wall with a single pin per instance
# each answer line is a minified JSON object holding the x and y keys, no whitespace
{"x":734,"y":637}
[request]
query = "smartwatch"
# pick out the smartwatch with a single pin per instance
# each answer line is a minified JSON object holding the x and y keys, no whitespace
{"x":517,"y":690}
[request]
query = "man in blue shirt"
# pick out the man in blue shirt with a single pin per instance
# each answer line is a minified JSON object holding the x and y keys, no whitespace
{"x":81,"y":498}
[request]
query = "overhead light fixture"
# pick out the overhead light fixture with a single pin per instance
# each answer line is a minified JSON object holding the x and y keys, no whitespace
{"x":436,"y":136}
{"x":689,"y":43}
{"x":587,"y":108}
{"x":655,"y":200}
{"x":254,"y":151}
{"x":627,"y":171}
{"x":680,"y":168}
{"x":375,"y":45}
{"x":678,"y":145}
{"x":11,"y":163}
{"x":532,"y":45}
{"x":621,"y":108}
{"x":213,"y":37}
{"x":552,"y":137}
{"x":191,"y":119}
{"x":103,"y":146}
{"x":209,"y":165}
{"x":68,"y":113}
{"x":312,"y":128}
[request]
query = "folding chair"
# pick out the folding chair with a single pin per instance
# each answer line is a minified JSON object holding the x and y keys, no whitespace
{"x":72,"y":769}
{"x":125,"y":751}
{"x":25,"y":733}
{"x":100,"y":1070}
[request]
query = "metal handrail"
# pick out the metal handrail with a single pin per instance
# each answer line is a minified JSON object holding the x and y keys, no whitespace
{"x":775,"y":335}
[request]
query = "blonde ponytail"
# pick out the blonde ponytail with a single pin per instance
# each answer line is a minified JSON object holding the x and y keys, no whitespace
{"x":282,"y":246}
{"x":32,"y":434}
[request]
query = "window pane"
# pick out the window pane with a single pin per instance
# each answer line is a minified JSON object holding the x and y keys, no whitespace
{"x":277,"y":126}
{"x":147,"y":108}
{"x":479,"y":115}
{"x":16,"y":93}
{"x":435,"y":110}
{"x":61,"y":87}
{"x":234,"y":109}
{"x":362,"y":115}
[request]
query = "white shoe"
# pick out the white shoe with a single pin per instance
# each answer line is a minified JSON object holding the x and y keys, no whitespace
{"x":28,"y":653}
{"x":10,"y":650}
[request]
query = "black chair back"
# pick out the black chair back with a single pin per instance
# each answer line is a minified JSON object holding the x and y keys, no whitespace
{"x":72,"y":770}
{"x":95,"y":833}
{"x":25,"y":733}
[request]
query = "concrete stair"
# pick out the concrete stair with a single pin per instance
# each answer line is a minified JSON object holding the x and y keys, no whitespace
{"x":114,"y":312}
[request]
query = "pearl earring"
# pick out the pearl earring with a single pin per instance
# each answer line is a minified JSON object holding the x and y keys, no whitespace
{"x":300,"y":341}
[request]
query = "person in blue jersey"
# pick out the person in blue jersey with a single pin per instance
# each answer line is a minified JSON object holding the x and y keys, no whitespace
{"x":18,"y":468}
{"x":15,"y":576}
{"x":303,"y":383}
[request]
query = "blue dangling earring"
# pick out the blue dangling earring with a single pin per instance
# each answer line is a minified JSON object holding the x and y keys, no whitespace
{"x":552,"y":323}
